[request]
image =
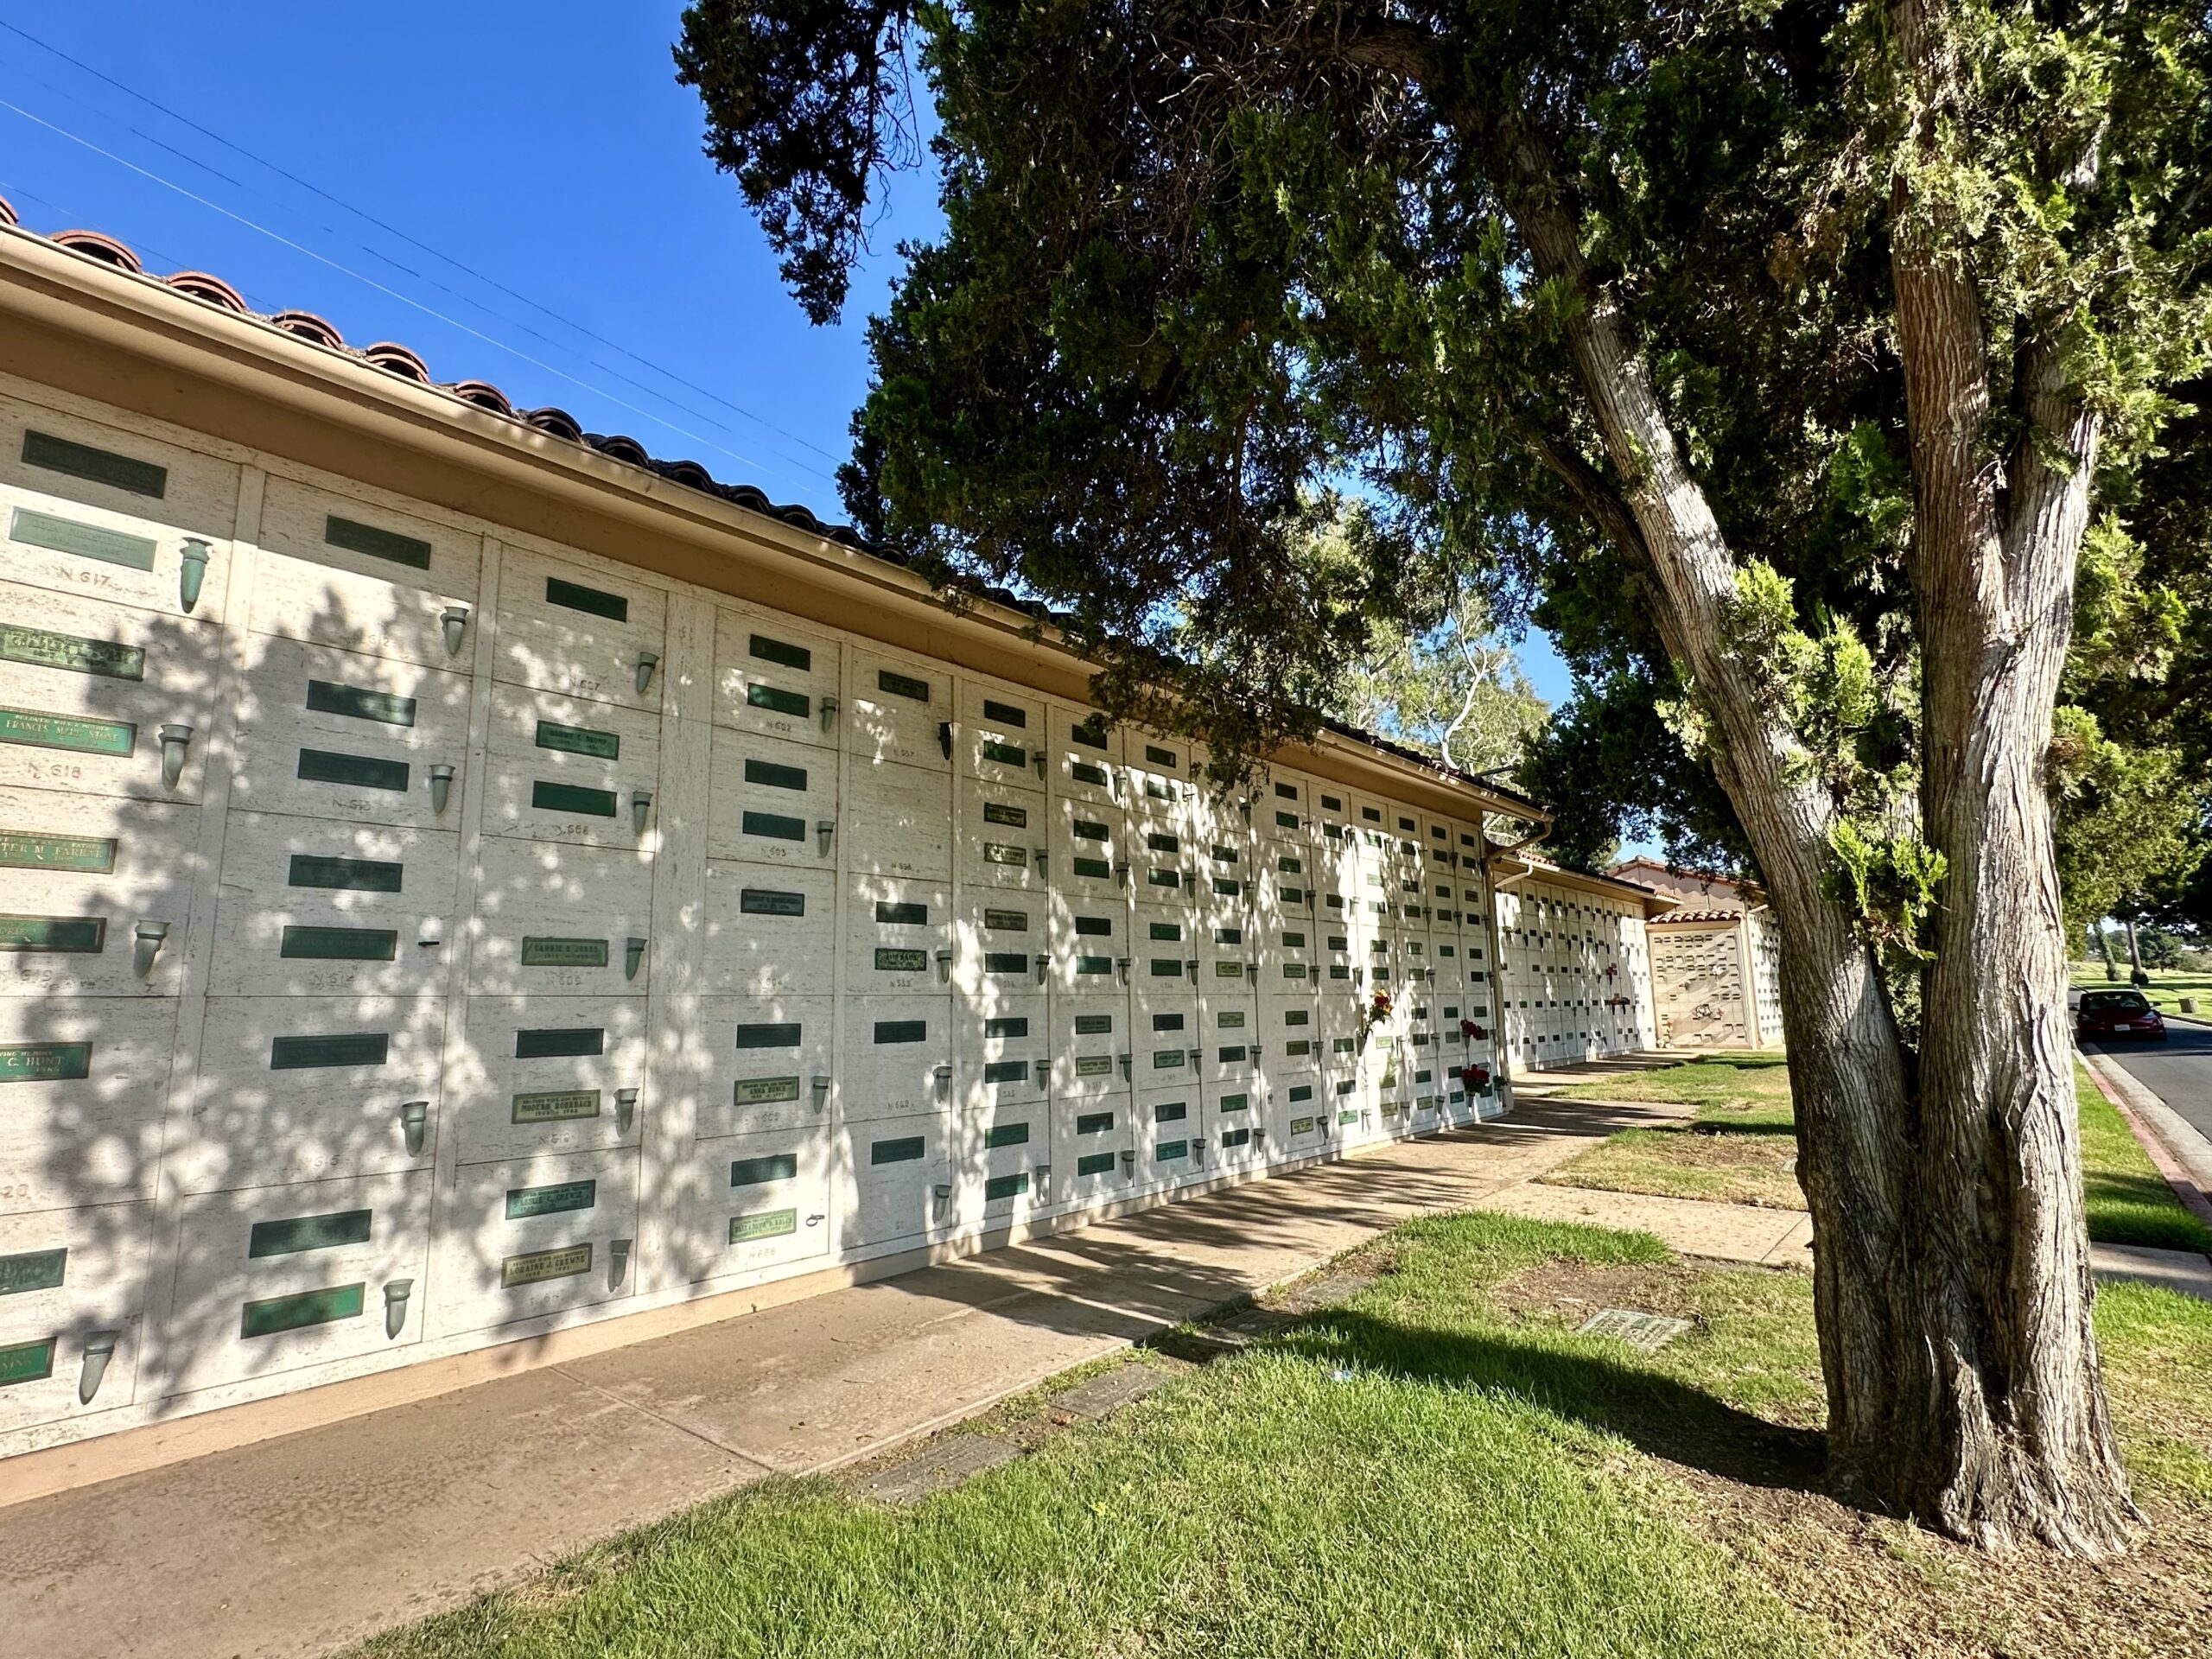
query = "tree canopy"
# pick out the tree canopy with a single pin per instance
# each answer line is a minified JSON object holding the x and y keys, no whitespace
{"x":1784,"y":355}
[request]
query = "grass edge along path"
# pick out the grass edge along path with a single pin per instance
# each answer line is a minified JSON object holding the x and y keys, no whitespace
{"x":2127,"y":1199}
{"x":1414,"y":1472}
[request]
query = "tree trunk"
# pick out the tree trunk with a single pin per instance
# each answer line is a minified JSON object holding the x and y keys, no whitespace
{"x":1952,"y":1291}
{"x":2135,"y":973}
{"x":2104,"y":949}
{"x":2002,"y":1432}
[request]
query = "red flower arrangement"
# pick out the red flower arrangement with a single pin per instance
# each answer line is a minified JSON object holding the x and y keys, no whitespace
{"x":1476,"y":1077}
{"x":1468,"y":1028}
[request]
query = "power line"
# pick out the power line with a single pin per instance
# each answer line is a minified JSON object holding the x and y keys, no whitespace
{"x":382,"y":288}
{"x":412,"y":241}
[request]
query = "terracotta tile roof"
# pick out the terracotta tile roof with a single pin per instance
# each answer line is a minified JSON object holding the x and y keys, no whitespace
{"x":1698,"y":916}
{"x":396,"y":360}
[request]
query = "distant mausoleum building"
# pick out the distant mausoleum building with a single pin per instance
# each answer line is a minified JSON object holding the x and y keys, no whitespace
{"x":1716,"y":960}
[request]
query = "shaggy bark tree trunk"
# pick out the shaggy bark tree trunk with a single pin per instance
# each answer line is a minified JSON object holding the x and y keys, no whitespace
{"x":1951,"y":1274}
{"x":2104,"y":949}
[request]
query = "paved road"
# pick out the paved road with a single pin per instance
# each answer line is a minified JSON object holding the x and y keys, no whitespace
{"x":2178,"y":1070}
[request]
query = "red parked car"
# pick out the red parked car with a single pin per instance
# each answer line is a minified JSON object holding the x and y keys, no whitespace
{"x":2107,"y":1014}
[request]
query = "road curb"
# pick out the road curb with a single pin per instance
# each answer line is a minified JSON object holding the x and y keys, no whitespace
{"x":2115,"y":1089}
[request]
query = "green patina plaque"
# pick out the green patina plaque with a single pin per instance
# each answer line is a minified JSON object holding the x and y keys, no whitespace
{"x":1093,"y":1066}
{"x":1096,"y":868}
{"x":353,"y":875}
{"x":1168,"y":1151}
{"x":571,"y":797}
{"x":341,"y":943}
{"x":578,"y":740}
{"x":1094,"y":964}
{"x":1235,"y":1102}
{"x":767,"y":901}
{"x":778,"y":702}
{"x":354,"y":771}
{"x":771,"y":825}
{"x":1006,"y":921}
{"x":775,"y":651}
{"x":759,"y":1171}
{"x":1005,"y":1186}
{"x":1095,"y":1123}
{"x":83,"y":541}
{"x":904,"y":1150}
{"x":593,"y":601}
{"x":387,"y":544}
{"x":1085,"y":830}
{"x":1155,"y":755}
{"x":524,"y":1202}
{"x":1160,"y":843}
{"x":1156,"y":877}
{"x":1006,"y":713}
{"x":54,"y":455}
{"x":1005,"y":1134}
{"x":1293,"y":970}
{"x":1099,"y":927}
{"x":1172,"y":1111}
{"x":1229,"y":1018}
{"x":26,"y":849}
{"x":776,"y":1036}
{"x":347,"y":1048}
{"x":1158,"y":790}
{"x":1011,"y":1024}
{"x":1348,"y":1117}
{"x":1083,"y":772}
{"x":1297,"y":1016}
{"x":890,"y":915}
{"x":1166,"y":967}
{"x":769,"y":775}
{"x":1093,"y":1025}
{"x":1298,"y":1048}
{"x":35,"y":728}
{"x":1228,"y":970}
{"x":1006,"y":1071}
{"x":1007,"y":754}
{"x":276,"y":1314}
{"x":547,"y":952}
{"x":554,"y":1106}
{"x":45,"y":1062}
{"x":1301,"y":1126}
{"x":1235,"y":1138}
{"x":1171,"y":931}
{"x":902,"y":685}
{"x":761,"y":1091}
{"x":997,"y":852}
{"x":539,"y":1266}
{"x":385,"y":707}
{"x":560,"y":1042}
{"x":1286,"y":820}
{"x":1167,"y":1022}
{"x":72,"y":653}
{"x":59,"y":935}
{"x":298,"y":1233}
{"x":1091,"y":734}
{"x":1095,"y":1163}
{"x":1300,"y":1092}
{"x":35,"y":1270}
{"x":1005,"y":962}
{"x":28,"y":1362}
{"x":891,"y":961}
{"x":1165,"y":1059}
{"x":765,"y":1223}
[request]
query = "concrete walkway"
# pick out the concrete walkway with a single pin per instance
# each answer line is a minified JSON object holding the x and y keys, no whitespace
{"x":295,"y":1546}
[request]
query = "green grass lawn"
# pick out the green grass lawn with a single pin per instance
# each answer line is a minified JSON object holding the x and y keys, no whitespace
{"x":1438,"y":1467}
{"x":1738,"y":1149}
{"x":2166,"y":990}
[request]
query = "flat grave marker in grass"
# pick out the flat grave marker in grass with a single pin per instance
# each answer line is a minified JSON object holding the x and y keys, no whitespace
{"x":939,"y":1468}
{"x":1648,"y":1331}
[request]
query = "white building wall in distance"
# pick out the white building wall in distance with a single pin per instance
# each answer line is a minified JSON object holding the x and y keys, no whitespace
{"x":415,"y":936}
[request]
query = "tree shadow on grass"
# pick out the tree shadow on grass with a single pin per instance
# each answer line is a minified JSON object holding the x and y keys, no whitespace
{"x":1658,"y":1414}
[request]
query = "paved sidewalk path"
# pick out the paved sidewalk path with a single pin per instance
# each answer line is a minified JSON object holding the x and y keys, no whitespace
{"x":295,"y":1546}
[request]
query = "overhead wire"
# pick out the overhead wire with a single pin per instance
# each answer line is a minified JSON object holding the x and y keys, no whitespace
{"x":398,"y":295}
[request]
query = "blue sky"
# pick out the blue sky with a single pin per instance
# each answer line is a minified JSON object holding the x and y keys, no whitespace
{"x":514,"y":191}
